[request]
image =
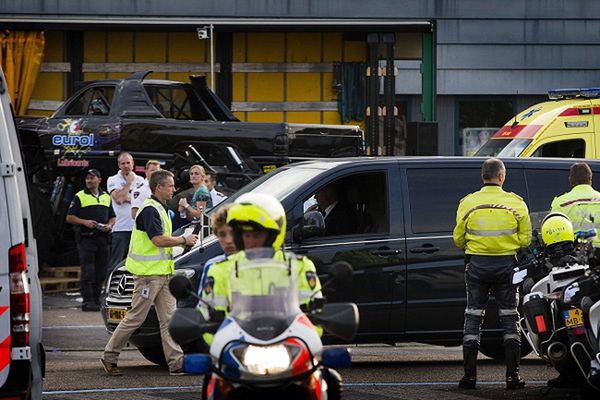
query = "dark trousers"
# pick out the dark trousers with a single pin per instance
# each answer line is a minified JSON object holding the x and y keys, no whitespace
{"x":93,"y":255}
{"x":485,"y":275}
{"x":118,"y":248}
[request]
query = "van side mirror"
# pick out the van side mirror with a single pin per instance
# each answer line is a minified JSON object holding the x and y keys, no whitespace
{"x":313,"y":225}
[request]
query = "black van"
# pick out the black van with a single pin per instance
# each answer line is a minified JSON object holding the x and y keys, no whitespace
{"x":408,"y":274}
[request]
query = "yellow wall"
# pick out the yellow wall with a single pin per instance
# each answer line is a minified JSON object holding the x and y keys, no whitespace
{"x":248,"y":47}
{"x":50,"y":85}
{"x":293,"y":47}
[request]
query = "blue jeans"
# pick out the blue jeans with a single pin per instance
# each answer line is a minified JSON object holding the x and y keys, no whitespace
{"x":118,"y":248}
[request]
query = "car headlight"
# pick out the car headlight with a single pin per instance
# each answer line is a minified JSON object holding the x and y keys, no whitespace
{"x":266,"y":360}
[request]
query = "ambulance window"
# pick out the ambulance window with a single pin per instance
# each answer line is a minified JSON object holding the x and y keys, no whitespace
{"x":574,"y":148}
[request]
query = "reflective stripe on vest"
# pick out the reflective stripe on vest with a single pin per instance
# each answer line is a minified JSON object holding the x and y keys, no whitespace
{"x":497,"y":232}
{"x":144,"y":257}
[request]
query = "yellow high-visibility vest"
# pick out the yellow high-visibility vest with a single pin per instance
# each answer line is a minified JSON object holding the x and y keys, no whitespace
{"x":145,"y":258}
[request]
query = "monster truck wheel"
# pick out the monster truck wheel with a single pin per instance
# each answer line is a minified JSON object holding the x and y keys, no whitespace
{"x":154,"y":355}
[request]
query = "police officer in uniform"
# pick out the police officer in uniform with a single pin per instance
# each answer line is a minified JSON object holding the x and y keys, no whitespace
{"x":582,"y":203}
{"x":258,"y":220}
{"x":93,"y":217}
{"x":491,"y":225}
{"x":150,"y":260}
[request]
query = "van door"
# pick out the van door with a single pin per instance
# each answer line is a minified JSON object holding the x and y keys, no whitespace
{"x":436,"y":296}
{"x":376,"y":249}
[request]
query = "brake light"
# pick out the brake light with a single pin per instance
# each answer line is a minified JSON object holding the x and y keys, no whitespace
{"x":19,"y":296}
{"x":578,"y":331}
{"x":540,"y":323}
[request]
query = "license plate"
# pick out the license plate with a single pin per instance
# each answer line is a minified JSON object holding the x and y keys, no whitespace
{"x":268,"y":168}
{"x":573,"y":317}
{"x":116,"y":314}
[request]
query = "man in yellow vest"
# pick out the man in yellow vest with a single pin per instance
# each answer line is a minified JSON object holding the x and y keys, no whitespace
{"x":491,"y":225}
{"x":582,"y":203}
{"x":93,"y":217}
{"x":150,"y":260}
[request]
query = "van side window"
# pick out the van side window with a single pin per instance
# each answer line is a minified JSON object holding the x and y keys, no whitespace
{"x":544,"y":186}
{"x":434,"y":194}
{"x":574,"y":148}
{"x":94,"y":101}
{"x":361,"y":206}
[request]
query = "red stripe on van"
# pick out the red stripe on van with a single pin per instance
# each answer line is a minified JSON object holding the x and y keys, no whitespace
{"x":3,"y":309}
{"x":5,"y":353}
{"x":569,"y":112}
{"x":520,"y":131}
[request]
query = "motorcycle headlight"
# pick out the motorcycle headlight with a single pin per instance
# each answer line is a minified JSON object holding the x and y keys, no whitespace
{"x":265,"y":360}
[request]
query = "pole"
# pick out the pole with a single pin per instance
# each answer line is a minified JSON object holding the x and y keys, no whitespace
{"x":212,"y":60}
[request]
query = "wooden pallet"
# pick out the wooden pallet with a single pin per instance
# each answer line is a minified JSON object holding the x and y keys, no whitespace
{"x":61,"y":272}
{"x":56,"y":285}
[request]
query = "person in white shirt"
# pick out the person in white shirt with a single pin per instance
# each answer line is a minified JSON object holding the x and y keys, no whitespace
{"x":142,"y":193}
{"x":120,"y":186}
{"x":210,"y":182}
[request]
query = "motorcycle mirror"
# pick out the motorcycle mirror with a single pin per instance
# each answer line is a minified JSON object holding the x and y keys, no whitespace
{"x":339,"y":319}
{"x":519,"y":276}
{"x":180,"y":287}
{"x":313,"y":225}
{"x":341,"y":273}
{"x":187,"y":325}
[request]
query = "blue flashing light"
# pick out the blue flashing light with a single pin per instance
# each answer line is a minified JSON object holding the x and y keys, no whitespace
{"x":566,"y":93}
{"x":337,"y":357}
{"x":590,"y":92}
{"x":557,"y":94}
{"x":197,"y":364}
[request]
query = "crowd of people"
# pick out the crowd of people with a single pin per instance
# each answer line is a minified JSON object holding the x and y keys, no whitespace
{"x":492,"y":225}
{"x":104,"y":220}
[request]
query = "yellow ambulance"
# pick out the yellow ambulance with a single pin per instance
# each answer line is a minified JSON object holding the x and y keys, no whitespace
{"x":567,"y":125}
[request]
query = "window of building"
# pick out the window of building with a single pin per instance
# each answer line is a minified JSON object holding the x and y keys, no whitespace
{"x":478,"y":120}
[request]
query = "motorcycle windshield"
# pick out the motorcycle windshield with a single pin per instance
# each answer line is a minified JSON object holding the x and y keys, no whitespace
{"x":264,"y":296}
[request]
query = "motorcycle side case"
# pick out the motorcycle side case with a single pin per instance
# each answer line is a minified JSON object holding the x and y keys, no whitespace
{"x":535,"y":307}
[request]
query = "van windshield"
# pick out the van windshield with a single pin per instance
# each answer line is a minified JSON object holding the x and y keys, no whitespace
{"x":503,"y":148}
{"x":279,"y":183}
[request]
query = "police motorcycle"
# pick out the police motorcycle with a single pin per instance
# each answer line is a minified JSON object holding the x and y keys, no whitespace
{"x":585,"y":294}
{"x":268,"y":346}
{"x":548,"y":324}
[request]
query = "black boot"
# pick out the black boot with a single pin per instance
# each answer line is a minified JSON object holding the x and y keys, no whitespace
{"x":512,"y":353}
{"x":334,"y":384}
{"x":470,"y":351}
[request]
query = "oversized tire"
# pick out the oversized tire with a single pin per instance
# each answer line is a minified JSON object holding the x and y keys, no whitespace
{"x":494,"y":349}
{"x":154,"y":355}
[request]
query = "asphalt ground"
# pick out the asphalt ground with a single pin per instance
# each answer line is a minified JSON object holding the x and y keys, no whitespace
{"x":74,"y":341}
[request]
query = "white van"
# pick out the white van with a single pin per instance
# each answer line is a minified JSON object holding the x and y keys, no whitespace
{"x":21,"y":352}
